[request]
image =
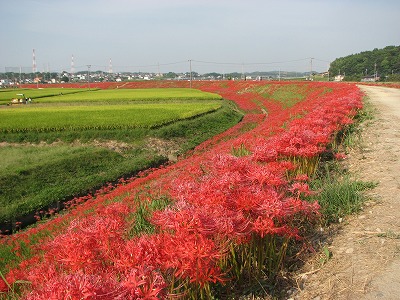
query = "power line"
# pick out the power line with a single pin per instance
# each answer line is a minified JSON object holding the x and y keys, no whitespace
{"x":198,"y":63}
{"x":154,"y":65}
{"x":250,"y":63}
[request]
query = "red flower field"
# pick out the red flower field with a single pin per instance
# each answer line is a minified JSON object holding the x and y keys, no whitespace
{"x":231,"y":207}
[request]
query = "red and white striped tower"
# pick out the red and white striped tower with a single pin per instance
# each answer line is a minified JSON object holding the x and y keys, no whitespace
{"x":110,"y":70}
{"x":34,"y":62}
{"x":72,"y":65}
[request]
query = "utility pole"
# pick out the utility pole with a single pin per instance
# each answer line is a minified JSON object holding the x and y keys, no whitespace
{"x":34,"y":70}
{"x":329,"y":66}
{"x":190,"y":68}
{"x":72,"y":67}
{"x":375,"y":75}
{"x":110,"y":68}
{"x":88,"y":78}
{"x":311,"y":68}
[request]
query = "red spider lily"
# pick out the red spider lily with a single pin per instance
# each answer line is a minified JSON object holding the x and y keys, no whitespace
{"x":301,"y":177}
{"x":340,"y":156}
{"x":74,"y":287}
{"x":208,"y":220}
{"x":144,"y":250}
{"x":143,"y":283}
{"x":300,"y":188}
{"x":193,"y":257}
{"x":266,"y":226}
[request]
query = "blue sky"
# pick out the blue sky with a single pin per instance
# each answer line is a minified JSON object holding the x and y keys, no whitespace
{"x":219,"y":35}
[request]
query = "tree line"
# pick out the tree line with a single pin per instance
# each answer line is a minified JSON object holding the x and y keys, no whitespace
{"x":382,"y":64}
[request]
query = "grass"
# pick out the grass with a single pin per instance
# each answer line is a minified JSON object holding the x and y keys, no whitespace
{"x":64,"y":172}
{"x":339,"y":196}
{"x":339,"y":193}
{"x":198,"y":130}
{"x":141,"y":224}
{"x":286,"y":94}
{"x":351,"y":136}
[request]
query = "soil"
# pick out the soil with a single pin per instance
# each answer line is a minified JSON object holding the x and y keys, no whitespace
{"x":168,"y":148}
{"x":364,"y":251}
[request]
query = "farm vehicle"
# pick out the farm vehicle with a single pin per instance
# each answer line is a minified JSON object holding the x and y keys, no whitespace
{"x":22,"y":99}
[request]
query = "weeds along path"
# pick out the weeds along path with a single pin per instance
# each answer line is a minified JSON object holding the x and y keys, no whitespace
{"x":365,"y":261}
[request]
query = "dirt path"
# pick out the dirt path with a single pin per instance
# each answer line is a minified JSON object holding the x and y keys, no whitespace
{"x":365,"y":261}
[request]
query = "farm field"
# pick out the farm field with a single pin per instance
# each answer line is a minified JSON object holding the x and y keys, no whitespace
{"x":133,"y":95}
{"x":228,"y":214}
{"x":7,"y":94}
{"x":45,"y":95}
{"x":81,"y":117}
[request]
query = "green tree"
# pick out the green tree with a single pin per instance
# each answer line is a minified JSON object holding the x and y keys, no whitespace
{"x":384,"y":61}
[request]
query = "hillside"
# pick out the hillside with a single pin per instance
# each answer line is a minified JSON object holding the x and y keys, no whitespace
{"x":383,"y":63}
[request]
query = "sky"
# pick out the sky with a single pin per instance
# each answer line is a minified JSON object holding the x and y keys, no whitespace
{"x":208,"y":35}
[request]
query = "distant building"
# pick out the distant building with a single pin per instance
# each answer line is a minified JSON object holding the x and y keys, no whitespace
{"x":4,"y":82}
{"x":370,"y":78}
{"x":339,"y":77}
